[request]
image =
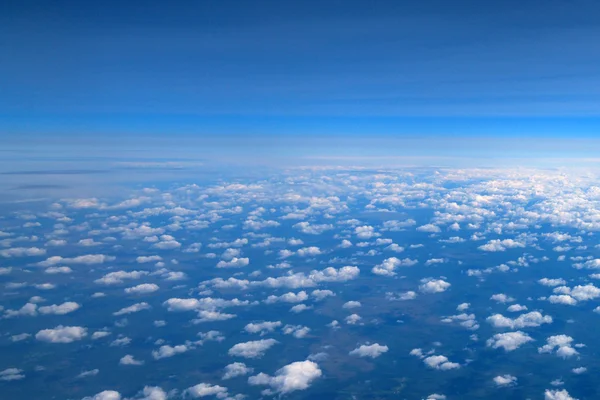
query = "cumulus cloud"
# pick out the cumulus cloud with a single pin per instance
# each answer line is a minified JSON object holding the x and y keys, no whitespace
{"x":292,"y":377}
{"x":133,"y":309}
{"x":373,"y":351}
{"x":560,"y":343}
{"x":166,"y":351}
{"x":144,"y":288}
{"x":61,"y":309}
{"x":532,"y":319}
{"x":508,"y":341}
{"x":262,"y":327}
{"x":430,"y":285}
{"x":235,"y":262}
{"x":62,"y":334}
{"x":505,"y":380}
{"x":389,"y":265}
{"x":557,"y":395}
{"x":105,"y":395}
{"x":288,"y":298}
{"x":252,"y":349}
{"x":501,"y":245}
{"x":236,"y":369}
{"x":130,"y":360}
{"x":205,"y":390}
{"x":88,"y":259}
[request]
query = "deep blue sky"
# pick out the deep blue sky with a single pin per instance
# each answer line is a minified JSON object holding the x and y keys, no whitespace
{"x":301,"y":67}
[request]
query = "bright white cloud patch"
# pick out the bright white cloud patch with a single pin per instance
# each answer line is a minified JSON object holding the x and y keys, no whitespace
{"x":292,"y":377}
{"x":373,"y":351}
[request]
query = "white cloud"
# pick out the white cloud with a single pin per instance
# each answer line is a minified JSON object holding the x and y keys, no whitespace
{"x":557,"y":395}
{"x":117,"y":277}
{"x":320,"y":294}
{"x":309,"y":251}
{"x":262,"y":327}
{"x":147,"y":259}
{"x":105,"y":395}
{"x":144,"y":288}
{"x":505,"y":380}
{"x":61,"y":309}
{"x":295,"y":376}
{"x":22,"y":252}
{"x":288,"y":298}
{"x":373,"y":351}
{"x":298,"y":331}
{"x":307,"y":228}
{"x":501,"y":245}
{"x":351,"y":304}
{"x":133,"y":309}
{"x":62,"y":334}
{"x":389,"y":265}
{"x":440,"y":362}
{"x":353,"y":319}
{"x":430,"y":285}
{"x":236,"y":369}
{"x":562,"y":344}
{"x":11,"y":374}
{"x":365,"y":232}
{"x":166,"y":351}
{"x":430,"y":228}
{"x":501,"y":298}
{"x":532,"y":319}
{"x":235,"y":262}
{"x":552,"y":282}
{"x":58,"y":270}
{"x":130,"y":360}
{"x":88,"y":259}
{"x":205,"y":390}
{"x":509,"y":341}
{"x":252,"y":349}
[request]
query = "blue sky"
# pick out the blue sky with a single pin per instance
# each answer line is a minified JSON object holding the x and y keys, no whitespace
{"x":432,"y":68}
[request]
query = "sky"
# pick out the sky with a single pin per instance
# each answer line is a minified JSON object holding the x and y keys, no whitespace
{"x":429,"y":69}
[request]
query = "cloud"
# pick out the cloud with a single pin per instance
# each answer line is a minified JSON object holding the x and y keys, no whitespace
{"x":532,"y":319}
{"x":430,"y":285}
{"x":319,"y":294}
{"x":351,"y":304}
{"x":500,"y":245}
{"x":309,"y":229}
{"x":11,"y":374}
{"x":508,"y":341}
{"x":430,"y":228}
{"x":144,"y":288}
{"x":373,"y":351}
{"x":88,"y":259}
{"x":389,"y":265}
{"x":292,"y":377}
{"x":365,"y":232}
{"x":169,"y":351}
{"x":505,"y":380}
{"x":234,"y":263}
{"x":552,"y":282}
{"x":236,"y":369}
{"x":440,"y":362}
{"x":129,"y":360}
{"x":205,"y":389}
{"x":133,"y":309}
{"x":288,"y":298}
{"x":562,"y":344}
{"x":147,"y":259}
{"x":309,"y":251}
{"x":557,"y":395}
{"x":118,"y":277}
{"x":58,"y":270}
{"x":105,"y":395}
{"x":62,"y":309}
{"x":298,"y":331}
{"x":502,"y":298}
{"x":252,"y":349}
{"x":22,"y":252}
{"x":262,"y":327}
{"x":62,"y":334}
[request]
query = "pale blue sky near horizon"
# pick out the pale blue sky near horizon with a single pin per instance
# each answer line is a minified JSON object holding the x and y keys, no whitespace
{"x":329,"y":78}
